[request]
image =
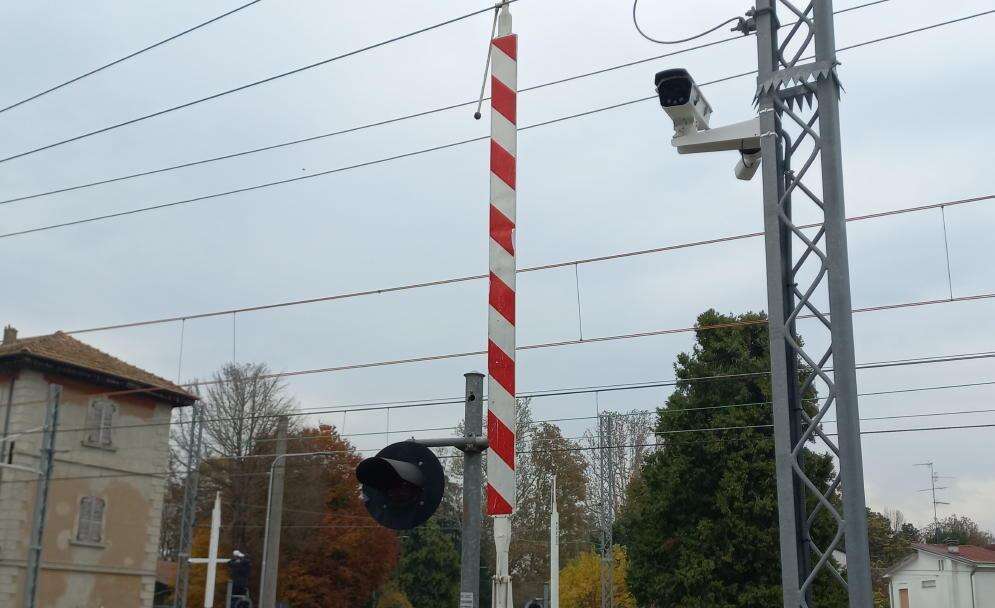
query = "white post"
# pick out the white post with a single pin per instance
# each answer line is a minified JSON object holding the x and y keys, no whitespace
{"x":501,"y":590}
{"x":212,"y":560}
{"x":212,"y":552}
{"x":554,"y":550}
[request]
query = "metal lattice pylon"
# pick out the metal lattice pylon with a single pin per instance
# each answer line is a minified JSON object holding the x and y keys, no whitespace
{"x":606,"y":479}
{"x":798,"y":100}
{"x":189,"y":507}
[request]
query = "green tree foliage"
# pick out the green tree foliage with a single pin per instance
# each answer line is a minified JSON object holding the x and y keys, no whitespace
{"x":963,"y":530}
{"x":428,"y":573}
{"x":888,"y":546}
{"x":701,"y":522}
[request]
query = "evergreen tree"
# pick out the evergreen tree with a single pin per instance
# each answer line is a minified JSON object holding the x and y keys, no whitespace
{"x":701,"y":524}
{"x":428,"y":572}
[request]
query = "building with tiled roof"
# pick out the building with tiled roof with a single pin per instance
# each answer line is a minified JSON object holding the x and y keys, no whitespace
{"x":944,"y":576}
{"x":101,"y":538}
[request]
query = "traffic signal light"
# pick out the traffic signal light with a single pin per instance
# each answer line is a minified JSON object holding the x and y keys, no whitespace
{"x":402,"y":485}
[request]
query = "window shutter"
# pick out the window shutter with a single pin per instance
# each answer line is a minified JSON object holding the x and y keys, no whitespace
{"x":94,"y":420}
{"x":91,"y":519}
{"x":83,"y":524}
{"x":97,"y":520}
{"x":106,"y":420}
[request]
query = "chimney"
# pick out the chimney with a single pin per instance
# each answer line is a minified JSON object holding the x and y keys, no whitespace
{"x":9,"y":335}
{"x":952,"y":546}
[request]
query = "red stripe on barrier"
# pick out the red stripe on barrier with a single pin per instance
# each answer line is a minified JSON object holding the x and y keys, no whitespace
{"x":496,"y":504}
{"x":502,"y":164}
{"x":501,"y":440}
{"x":508,"y":45}
{"x":502,"y":230}
{"x":503,"y":100}
{"x":502,"y":298}
{"x":501,"y":367}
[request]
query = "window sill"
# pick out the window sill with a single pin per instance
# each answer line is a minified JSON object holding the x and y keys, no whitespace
{"x":83,"y":543}
{"x":98,"y":446}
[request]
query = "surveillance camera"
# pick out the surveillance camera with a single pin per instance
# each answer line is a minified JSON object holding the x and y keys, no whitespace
{"x":748,"y":164}
{"x":683,"y":101}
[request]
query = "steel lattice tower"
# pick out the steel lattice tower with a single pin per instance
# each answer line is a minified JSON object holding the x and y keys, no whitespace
{"x":606,"y":480}
{"x":189,"y":508}
{"x":798,"y":98}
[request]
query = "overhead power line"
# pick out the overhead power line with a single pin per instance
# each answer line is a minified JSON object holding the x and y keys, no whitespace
{"x":541,"y":267}
{"x":129,"y":56}
{"x":387,"y":121}
{"x":574,"y":448}
{"x":252,"y":84}
{"x":182,"y":202}
{"x":544,"y":345}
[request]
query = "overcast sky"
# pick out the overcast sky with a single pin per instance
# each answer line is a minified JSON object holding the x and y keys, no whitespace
{"x":917,"y":125}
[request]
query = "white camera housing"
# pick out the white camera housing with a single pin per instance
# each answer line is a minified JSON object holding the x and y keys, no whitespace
{"x":683,"y":101}
{"x":690,"y":112}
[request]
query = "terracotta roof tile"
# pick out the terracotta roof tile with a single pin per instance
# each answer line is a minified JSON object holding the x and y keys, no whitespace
{"x":63,"y":348}
{"x":981,"y":555}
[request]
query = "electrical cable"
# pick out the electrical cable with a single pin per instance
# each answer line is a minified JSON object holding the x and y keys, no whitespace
{"x":249,"y":85}
{"x":384,"y":122}
{"x":160,"y":206}
{"x":548,"y":266}
{"x":129,"y":56}
{"x":161,"y":475}
{"x":741,"y":26}
{"x":564,"y":392}
{"x":561,"y":343}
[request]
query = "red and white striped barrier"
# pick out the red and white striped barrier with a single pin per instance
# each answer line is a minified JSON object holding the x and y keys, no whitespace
{"x":501,"y":405}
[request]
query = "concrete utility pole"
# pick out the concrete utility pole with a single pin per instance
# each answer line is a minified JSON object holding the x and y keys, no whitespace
{"x":189,"y":515}
{"x":473,"y":428}
{"x":786,"y":84}
{"x":274,"y":520}
{"x":41,"y":496}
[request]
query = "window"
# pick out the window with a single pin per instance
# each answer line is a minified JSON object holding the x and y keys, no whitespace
{"x":90,"y":524}
{"x":939,"y":566}
{"x":99,"y":419}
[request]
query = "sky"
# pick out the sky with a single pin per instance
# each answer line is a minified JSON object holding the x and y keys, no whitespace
{"x":916,"y":130}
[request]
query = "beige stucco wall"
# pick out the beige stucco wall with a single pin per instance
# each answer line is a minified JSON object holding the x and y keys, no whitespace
{"x":120,"y":572}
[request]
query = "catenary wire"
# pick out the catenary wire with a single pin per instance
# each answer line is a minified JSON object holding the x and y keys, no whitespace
{"x":254,"y":83}
{"x":659,"y":332}
{"x":129,"y":56}
{"x":345,"y":409}
{"x":389,"y":120}
{"x":542,"y":345}
{"x":549,"y":266}
{"x":164,"y":475}
{"x":226,"y":193}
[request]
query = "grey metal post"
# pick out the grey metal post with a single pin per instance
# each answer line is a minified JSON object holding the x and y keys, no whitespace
{"x":858,"y":562}
{"x":190,"y":487}
{"x":228,"y":595}
{"x":41,"y":496}
{"x":607,"y":483}
{"x":786,"y":85}
{"x":473,"y":427}
{"x":274,"y":523}
{"x":780,"y":301}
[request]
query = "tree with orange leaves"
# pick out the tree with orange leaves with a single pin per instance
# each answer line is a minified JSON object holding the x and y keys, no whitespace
{"x":345,"y":557}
